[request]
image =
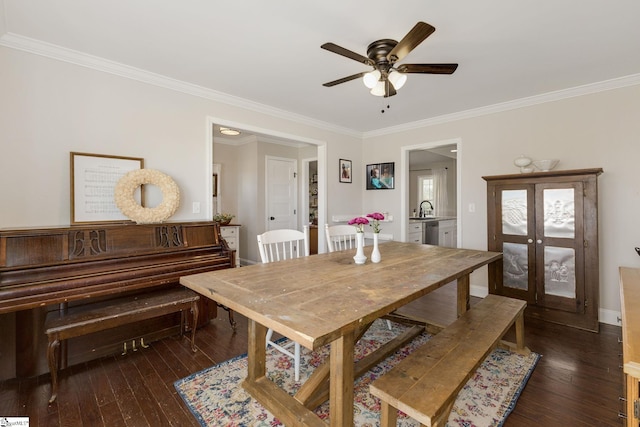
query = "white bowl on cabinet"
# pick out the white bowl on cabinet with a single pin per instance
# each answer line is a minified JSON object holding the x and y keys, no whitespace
{"x":545,"y":165}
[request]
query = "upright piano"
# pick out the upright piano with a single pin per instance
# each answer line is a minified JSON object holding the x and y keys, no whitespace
{"x":46,"y":269}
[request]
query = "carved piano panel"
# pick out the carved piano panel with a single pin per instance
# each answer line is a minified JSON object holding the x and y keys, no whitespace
{"x":42,"y":268}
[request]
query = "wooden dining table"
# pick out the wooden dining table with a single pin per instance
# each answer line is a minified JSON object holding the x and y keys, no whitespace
{"x":328,"y":299}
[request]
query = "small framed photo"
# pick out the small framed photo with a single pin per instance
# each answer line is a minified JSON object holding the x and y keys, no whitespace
{"x":380,"y":176}
{"x":345,"y":170}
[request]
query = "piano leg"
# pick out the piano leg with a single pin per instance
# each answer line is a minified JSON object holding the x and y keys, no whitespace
{"x":53,"y":350}
{"x":194,"y":322}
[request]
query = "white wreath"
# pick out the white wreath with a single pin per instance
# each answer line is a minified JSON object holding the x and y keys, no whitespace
{"x":125,"y":201}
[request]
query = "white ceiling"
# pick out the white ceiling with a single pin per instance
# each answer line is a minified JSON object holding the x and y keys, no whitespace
{"x":266,"y":54}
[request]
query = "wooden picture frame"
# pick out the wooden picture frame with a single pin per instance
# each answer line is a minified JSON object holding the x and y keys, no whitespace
{"x":380,"y":176}
{"x":345,"y":171}
{"x":93,"y":179}
{"x":214,"y":182}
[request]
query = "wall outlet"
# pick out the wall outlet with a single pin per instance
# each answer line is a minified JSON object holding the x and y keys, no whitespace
{"x":196,"y":207}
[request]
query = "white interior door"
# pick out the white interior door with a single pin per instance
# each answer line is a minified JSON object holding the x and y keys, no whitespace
{"x":281,"y":193}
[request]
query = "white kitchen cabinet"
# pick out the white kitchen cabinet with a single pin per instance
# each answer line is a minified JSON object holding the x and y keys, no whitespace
{"x":414,"y":232}
{"x":231,"y":233}
{"x":447,"y":231}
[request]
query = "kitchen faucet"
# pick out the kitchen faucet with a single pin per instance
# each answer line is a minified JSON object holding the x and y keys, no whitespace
{"x":425,"y":212}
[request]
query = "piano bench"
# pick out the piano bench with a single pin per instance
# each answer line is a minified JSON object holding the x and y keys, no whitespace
{"x":115,"y":313}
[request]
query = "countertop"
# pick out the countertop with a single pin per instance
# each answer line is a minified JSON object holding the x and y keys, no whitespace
{"x":431,"y":219}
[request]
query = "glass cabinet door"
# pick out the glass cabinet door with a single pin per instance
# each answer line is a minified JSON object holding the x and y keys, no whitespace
{"x":539,"y":235}
{"x":559,"y":242}
{"x":515,"y":216}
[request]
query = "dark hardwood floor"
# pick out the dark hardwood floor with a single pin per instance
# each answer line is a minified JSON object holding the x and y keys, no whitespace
{"x":576,"y":383}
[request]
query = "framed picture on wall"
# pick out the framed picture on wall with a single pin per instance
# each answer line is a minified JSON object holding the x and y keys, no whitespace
{"x":93,"y":180}
{"x":380,"y":176}
{"x":345,"y":170}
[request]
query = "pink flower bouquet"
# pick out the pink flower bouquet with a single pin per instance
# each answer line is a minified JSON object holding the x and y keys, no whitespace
{"x":376,"y":217}
{"x":359,"y":223}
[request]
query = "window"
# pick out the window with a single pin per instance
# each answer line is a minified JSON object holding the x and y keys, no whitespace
{"x":425,"y":188}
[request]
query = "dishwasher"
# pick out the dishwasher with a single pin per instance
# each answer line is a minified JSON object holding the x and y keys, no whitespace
{"x":430,"y":232}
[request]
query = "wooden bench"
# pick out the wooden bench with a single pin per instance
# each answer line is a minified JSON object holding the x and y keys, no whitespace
{"x":426,"y":383}
{"x":116,"y":313}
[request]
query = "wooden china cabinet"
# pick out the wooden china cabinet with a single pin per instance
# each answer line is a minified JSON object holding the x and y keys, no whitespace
{"x":546,"y":226}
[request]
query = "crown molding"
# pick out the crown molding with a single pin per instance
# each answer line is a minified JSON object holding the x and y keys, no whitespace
{"x":38,"y":47}
{"x":616,"y":83}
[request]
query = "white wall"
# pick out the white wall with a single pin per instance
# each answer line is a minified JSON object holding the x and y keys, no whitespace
{"x":598,"y":130}
{"x":49,"y":108}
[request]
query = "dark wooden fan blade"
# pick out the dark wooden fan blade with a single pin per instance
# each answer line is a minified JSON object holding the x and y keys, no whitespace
{"x":417,"y":35}
{"x":343,"y":80}
{"x":331,"y":47}
{"x":427,"y":68}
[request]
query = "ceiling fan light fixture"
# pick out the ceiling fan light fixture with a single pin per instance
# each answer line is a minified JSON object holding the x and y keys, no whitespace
{"x":371,"y":79}
{"x":378,"y":89}
{"x":397,"y":79}
{"x":229,"y":131}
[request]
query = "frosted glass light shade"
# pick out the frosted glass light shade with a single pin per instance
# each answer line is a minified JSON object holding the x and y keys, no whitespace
{"x":371,"y":79}
{"x":397,"y":79}
{"x":229,"y":131}
{"x":378,"y":89}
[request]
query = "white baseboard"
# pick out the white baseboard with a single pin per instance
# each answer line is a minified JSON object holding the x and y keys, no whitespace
{"x":244,"y":262}
{"x":478,"y":291}
{"x":610,"y":317}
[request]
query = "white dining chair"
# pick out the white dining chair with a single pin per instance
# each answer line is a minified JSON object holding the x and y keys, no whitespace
{"x":279,"y":245}
{"x":341,"y":237}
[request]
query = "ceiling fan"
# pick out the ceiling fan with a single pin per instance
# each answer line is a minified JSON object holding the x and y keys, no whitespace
{"x":387,"y":77}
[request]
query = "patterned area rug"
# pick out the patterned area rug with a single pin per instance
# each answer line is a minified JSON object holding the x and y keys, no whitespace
{"x":216,"y":398}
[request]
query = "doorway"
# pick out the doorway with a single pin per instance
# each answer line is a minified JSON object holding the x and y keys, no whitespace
{"x":437,"y":150}
{"x":248,"y":200}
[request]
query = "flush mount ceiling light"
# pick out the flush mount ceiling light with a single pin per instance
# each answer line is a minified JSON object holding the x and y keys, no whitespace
{"x":379,"y":83}
{"x":229,"y":131}
{"x":387,"y":76}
